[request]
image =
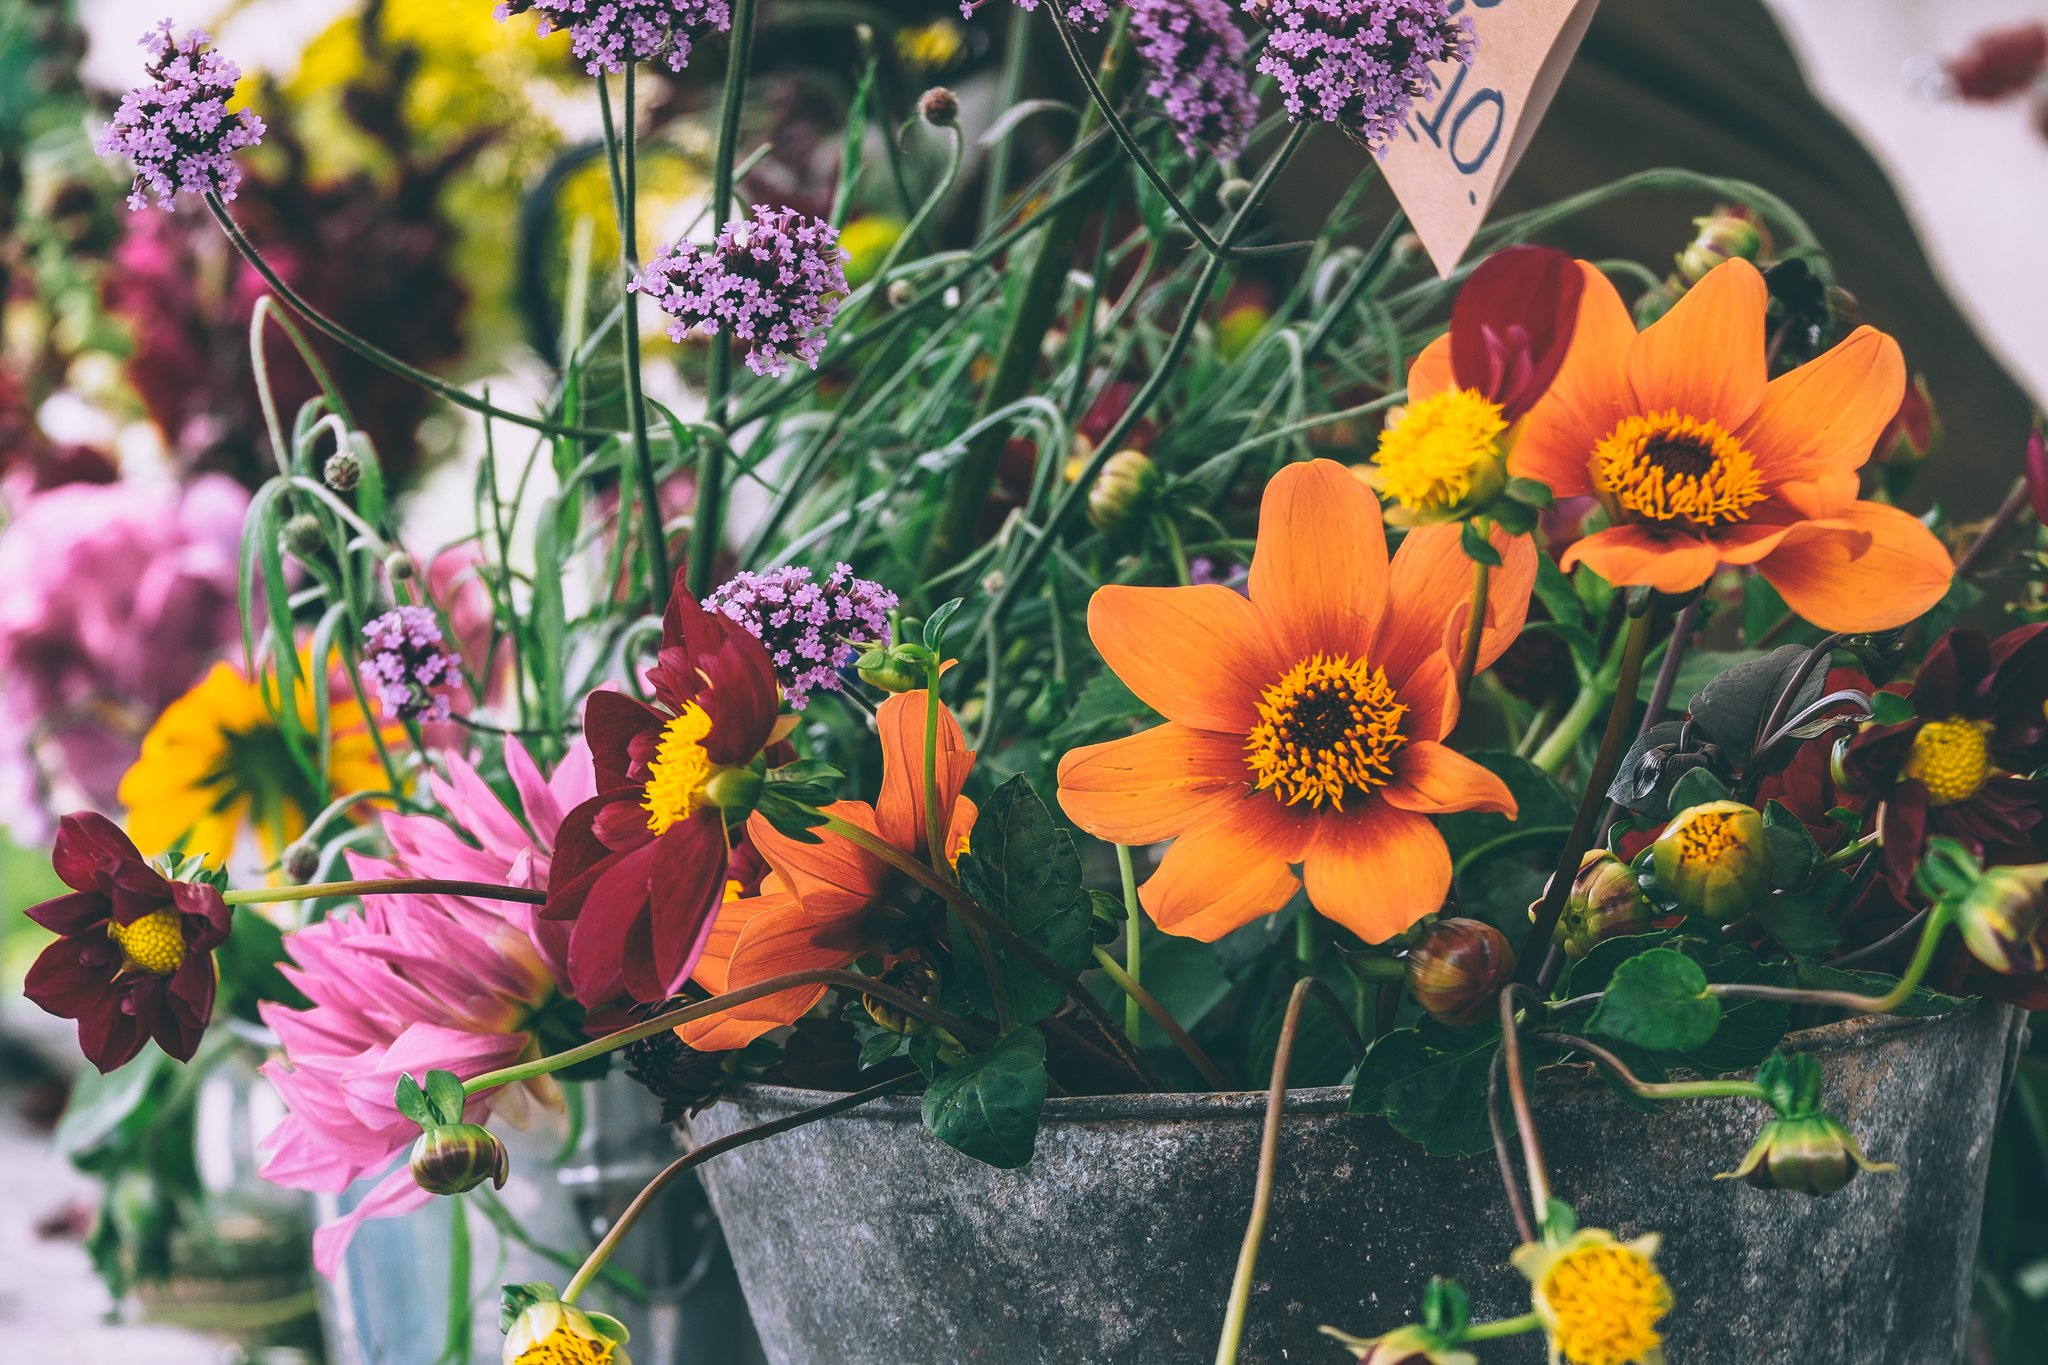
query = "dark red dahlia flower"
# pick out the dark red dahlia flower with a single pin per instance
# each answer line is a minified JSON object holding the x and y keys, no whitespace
{"x":641,"y":867}
{"x":1960,"y":764}
{"x":135,"y":960}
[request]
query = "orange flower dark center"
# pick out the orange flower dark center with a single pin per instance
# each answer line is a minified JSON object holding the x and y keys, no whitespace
{"x":1951,"y":758}
{"x":1666,"y":467}
{"x":1329,"y":728}
{"x":153,"y":945}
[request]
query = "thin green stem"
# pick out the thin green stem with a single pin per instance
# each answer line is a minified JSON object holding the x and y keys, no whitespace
{"x":1138,"y":998}
{"x":619,"y":153}
{"x":935,"y":824}
{"x":1134,"y":921}
{"x":1656,"y":1090}
{"x":384,"y":886}
{"x":1533,"y":1166}
{"x":1503,"y":1327}
{"x":455,"y":1344}
{"x":1475,"y":629}
{"x":1923,"y":958}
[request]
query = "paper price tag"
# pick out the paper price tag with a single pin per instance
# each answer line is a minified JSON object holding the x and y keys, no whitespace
{"x":1466,"y":135}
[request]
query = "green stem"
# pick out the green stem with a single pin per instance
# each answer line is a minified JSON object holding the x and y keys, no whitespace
{"x":1556,"y":749}
{"x":935,"y":823}
{"x":1923,"y":958}
{"x":455,"y":1345}
{"x":1656,"y":1090}
{"x":1178,"y":551}
{"x":1504,"y":1327}
{"x":384,"y":886}
{"x":1475,"y":629}
{"x":1134,"y":919}
{"x":1137,"y":997}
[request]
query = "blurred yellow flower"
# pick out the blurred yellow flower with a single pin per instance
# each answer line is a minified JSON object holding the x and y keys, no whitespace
{"x":1599,"y":1298}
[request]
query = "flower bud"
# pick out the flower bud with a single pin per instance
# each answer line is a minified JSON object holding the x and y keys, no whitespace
{"x":734,"y":789}
{"x":1814,"y":1155}
{"x":303,"y":536}
{"x":913,"y":976}
{"x":1123,"y":491}
{"x":301,"y":860}
{"x":891,"y":670}
{"x":1237,"y":329}
{"x":342,"y":472}
{"x":1458,"y":970}
{"x":401,"y":566}
{"x":1913,"y":434}
{"x":1729,"y":233}
{"x":901,"y":293}
{"x":1232,"y":194}
{"x":455,"y":1158}
{"x":549,"y":1331}
{"x":1713,"y":860}
{"x":1409,"y":1345}
{"x":939,"y":107}
{"x":1605,"y":902}
{"x":2001,"y":919}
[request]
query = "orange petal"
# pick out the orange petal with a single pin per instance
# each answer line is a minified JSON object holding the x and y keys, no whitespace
{"x":1434,"y":779}
{"x":1429,"y":597}
{"x":1431,"y":373}
{"x":1200,"y":655}
{"x":1628,"y":556}
{"x":1824,"y":417}
{"x":1874,"y":568}
{"x":899,"y":810}
{"x":774,"y":938}
{"x":1226,"y":872}
{"x":1377,"y":870}
{"x":1589,"y":396}
{"x":1319,"y":572}
{"x":1152,"y":785}
{"x":1814,"y":499}
{"x":1705,"y":358}
{"x":830,"y":865}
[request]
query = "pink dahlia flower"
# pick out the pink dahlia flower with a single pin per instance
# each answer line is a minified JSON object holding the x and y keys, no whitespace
{"x":419,"y":983}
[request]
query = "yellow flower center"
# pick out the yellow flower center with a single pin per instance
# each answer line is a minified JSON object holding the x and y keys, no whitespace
{"x":564,"y":1347}
{"x":1607,"y":1300}
{"x":1707,"y":837}
{"x":1665,"y":467}
{"x":1951,"y":758}
{"x":676,"y":777}
{"x":1430,"y":460}
{"x":154,"y":944}
{"x":1329,"y":727}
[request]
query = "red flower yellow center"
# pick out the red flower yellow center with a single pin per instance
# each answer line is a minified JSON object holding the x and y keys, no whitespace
{"x":1329,"y":728}
{"x":1607,"y":1300}
{"x":1667,"y":467}
{"x":675,"y":779}
{"x":154,"y":944}
{"x":1952,"y":759}
{"x":1443,"y":448}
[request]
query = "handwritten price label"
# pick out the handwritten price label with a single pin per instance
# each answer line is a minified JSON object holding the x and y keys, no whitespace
{"x":1466,"y":135}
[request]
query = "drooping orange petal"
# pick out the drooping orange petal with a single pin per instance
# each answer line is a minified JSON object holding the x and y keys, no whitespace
{"x":1435,"y":779}
{"x":1824,"y":417}
{"x":1152,"y":785}
{"x":899,"y":810}
{"x":830,"y":865}
{"x":1201,"y":655}
{"x":1227,"y":871}
{"x":1432,"y":582}
{"x":1377,"y":870}
{"x":1811,"y":499}
{"x":1628,"y":556}
{"x":1705,"y":358}
{"x":1588,"y":397}
{"x":1319,"y":571}
{"x":1430,"y":374}
{"x":1872,"y":568}
{"x":773,"y":938}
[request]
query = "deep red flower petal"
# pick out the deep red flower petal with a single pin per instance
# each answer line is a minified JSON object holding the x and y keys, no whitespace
{"x":79,"y":912}
{"x":89,"y":848}
{"x":618,"y":899}
{"x":611,"y":722}
{"x":1512,"y":323}
{"x":1904,"y":828}
{"x":687,"y":887}
{"x":208,"y":918}
{"x":111,"y":1032}
{"x":65,"y":980}
{"x":184,"y":1007}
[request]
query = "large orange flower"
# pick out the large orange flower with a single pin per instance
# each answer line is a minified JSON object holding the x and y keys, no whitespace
{"x":830,"y":903}
{"x":1700,"y":460}
{"x":1304,"y":723}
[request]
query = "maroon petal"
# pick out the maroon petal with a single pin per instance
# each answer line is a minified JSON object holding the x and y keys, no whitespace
{"x":78,"y":913}
{"x":1938,"y":684}
{"x":742,"y":702}
{"x":688,"y":885}
{"x":184,"y":1006}
{"x":136,"y":890}
{"x":110,"y":1033}
{"x":611,"y":721}
{"x":616,"y":900}
{"x":66,"y":982}
{"x":208,"y":918}
{"x":1904,"y":827}
{"x":89,"y":848}
{"x":1512,"y":323}
{"x":622,"y":826}
{"x":2037,"y":475}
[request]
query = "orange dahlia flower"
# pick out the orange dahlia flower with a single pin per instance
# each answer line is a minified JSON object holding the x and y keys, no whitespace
{"x":1304,"y":723}
{"x":1701,"y":460}
{"x":831,"y":903}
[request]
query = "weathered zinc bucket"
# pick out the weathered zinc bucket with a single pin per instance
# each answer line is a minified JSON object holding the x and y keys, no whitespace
{"x":863,"y":1241}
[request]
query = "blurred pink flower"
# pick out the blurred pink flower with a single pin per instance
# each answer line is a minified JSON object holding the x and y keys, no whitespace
{"x":409,"y":984}
{"x":114,"y":599}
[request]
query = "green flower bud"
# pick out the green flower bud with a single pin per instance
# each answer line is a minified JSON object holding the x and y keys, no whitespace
{"x":1606,"y":902}
{"x":2002,"y":917}
{"x":1458,"y":970}
{"x":1726,"y":234}
{"x":455,"y":1158}
{"x":913,"y":976}
{"x":1713,"y":860}
{"x":891,"y":670}
{"x":734,"y":790}
{"x":303,"y":537}
{"x":301,"y":860}
{"x":1123,"y":491}
{"x":550,"y":1332}
{"x":342,"y":472}
{"x":1409,"y":1345}
{"x":401,"y":566}
{"x":1232,"y":194}
{"x":1814,"y":1155}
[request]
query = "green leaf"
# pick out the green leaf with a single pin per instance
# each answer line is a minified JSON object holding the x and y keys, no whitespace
{"x":1920,"y":1004}
{"x":1889,"y":708}
{"x":102,"y":1103}
{"x":879,"y":1048}
{"x":1794,"y":854}
{"x":1698,"y":787}
{"x":1554,"y":590}
{"x":1731,"y":709}
{"x":935,"y":625}
{"x":1531,"y":492}
{"x":1478,"y":548}
{"x":1698,"y":668}
{"x":444,"y":1096}
{"x":1749,"y":1028}
{"x":1429,"y":1082}
{"x":1798,"y":920}
{"x":412,"y":1101}
{"x":1105,"y":707}
{"x":988,"y":1106}
{"x":1658,"y":1001}
{"x":1023,"y":869}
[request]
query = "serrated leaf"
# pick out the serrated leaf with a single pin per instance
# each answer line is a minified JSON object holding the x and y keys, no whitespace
{"x":1658,"y":1001}
{"x":988,"y":1106}
{"x":1429,"y":1082}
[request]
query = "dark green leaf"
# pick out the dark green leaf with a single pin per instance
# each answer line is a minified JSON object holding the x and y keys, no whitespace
{"x":1023,"y":869}
{"x":444,"y":1096}
{"x":988,"y":1106}
{"x":1794,"y":854}
{"x":1732,"y":708}
{"x":1658,"y":1001}
{"x":1429,"y":1082}
{"x":1698,"y":668}
{"x":935,"y":625}
{"x":1554,"y":590}
{"x":1478,"y":548}
{"x":1798,"y":920}
{"x":1106,"y":707}
{"x":1749,"y":1028}
{"x":412,"y":1101}
{"x":878,"y":1049}
{"x":1697,"y":787}
{"x":1889,"y":708}
{"x":1531,"y":492}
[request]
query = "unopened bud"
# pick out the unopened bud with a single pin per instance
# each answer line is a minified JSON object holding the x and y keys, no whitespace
{"x":455,"y":1158}
{"x":301,"y":860}
{"x":1814,"y":1155}
{"x":1713,"y":860}
{"x":1913,"y":434}
{"x":734,"y":789}
{"x":303,"y":536}
{"x":342,"y":472}
{"x":1409,"y":1345}
{"x":1123,"y":491}
{"x":1233,"y":193}
{"x":939,"y":107}
{"x":1458,"y":970}
{"x":1606,"y":902}
{"x":2002,"y":918}
{"x":914,"y":977}
{"x":901,"y":293}
{"x":1727,"y":234}
{"x":401,"y":566}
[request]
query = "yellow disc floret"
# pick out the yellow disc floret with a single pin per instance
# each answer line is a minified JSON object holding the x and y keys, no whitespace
{"x":1444,"y":453}
{"x":1952,"y":759}
{"x":1329,"y":728}
{"x":565,"y":1347}
{"x":1606,"y":1298}
{"x":154,"y":944}
{"x":1666,"y":467}
{"x":675,"y":779}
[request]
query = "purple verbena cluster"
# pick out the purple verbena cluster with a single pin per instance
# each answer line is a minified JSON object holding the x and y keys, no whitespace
{"x":407,"y":664}
{"x":1087,"y":15}
{"x":607,"y":34}
{"x":806,"y":625}
{"x":1358,"y":64}
{"x":1196,"y":52}
{"x":177,"y":129}
{"x":775,"y":280}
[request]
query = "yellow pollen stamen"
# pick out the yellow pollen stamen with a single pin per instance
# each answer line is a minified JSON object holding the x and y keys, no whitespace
{"x":564,"y":1347}
{"x":1707,"y":837}
{"x":1951,"y":758}
{"x":1607,"y":1300}
{"x":676,"y":776}
{"x":1666,"y":467}
{"x":154,"y":944}
{"x":1431,"y":460}
{"x":1330,"y":727}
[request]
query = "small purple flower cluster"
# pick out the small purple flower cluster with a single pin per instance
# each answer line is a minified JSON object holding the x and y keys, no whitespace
{"x":607,"y":34}
{"x":408,"y":665}
{"x":806,"y":624}
{"x":1358,"y":64}
{"x":1087,"y":15}
{"x":775,"y":280}
{"x":1196,"y":52}
{"x":177,"y":130}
